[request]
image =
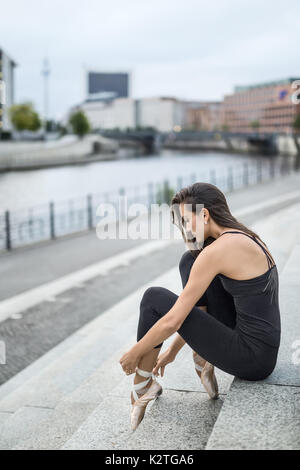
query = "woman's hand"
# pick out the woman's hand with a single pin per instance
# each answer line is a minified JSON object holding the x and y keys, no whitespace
{"x":129,"y":361}
{"x":162,"y":360}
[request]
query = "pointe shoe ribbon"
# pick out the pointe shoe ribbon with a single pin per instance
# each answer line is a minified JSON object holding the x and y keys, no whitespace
{"x":139,"y":406}
{"x":196,"y":359}
{"x":198,"y":367}
{"x":143,"y":384}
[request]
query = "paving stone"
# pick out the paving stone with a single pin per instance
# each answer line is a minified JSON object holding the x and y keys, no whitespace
{"x":258,"y":416}
{"x":22,"y":424}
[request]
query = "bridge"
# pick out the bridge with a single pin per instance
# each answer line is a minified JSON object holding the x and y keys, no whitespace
{"x":152,"y":140}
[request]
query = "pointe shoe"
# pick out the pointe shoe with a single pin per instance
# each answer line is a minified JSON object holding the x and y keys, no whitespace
{"x":205,"y":371}
{"x":139,"y":406}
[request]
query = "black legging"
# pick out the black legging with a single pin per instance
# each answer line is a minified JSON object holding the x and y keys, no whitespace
{"x":211,"y":334}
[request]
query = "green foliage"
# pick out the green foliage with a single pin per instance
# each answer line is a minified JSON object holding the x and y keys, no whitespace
{"x":80,"y":123}
{"x":62,"y":129}
{"x":296,"y":123}
{"x":52,"y":125}
{"x":164,"y":194}
{"x":24,"y":117}
{"x":255,"y":124}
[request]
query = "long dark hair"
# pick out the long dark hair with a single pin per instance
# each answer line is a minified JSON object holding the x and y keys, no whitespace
{"x":212,"y":199}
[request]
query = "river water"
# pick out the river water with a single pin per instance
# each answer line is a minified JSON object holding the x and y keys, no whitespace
{"x":22,"y":189}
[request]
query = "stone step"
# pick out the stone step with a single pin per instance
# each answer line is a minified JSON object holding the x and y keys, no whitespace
{"x":24,"y":421}
{"x":75,"y":407}
{"x":92,"y":344}
{"x":176,"y":413}
{"x":86,"y":372}
{"x":266,"y":414}
{"x":105,"y":381}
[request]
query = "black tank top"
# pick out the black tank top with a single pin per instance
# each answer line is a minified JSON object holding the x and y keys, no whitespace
{"x":257,"y":303}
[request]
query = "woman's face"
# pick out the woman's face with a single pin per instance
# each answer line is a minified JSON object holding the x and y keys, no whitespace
{"x":193,"y":224}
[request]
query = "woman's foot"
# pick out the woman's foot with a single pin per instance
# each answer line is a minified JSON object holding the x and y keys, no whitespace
{"x":209,"y":381}
{"x":141,"y":395}
{"x":206,"y":373}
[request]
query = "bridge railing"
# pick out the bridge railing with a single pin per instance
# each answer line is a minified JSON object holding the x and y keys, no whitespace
{"x":59,"y":218}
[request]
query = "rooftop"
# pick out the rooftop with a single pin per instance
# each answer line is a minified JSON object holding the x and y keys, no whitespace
{"x":285,"y":81}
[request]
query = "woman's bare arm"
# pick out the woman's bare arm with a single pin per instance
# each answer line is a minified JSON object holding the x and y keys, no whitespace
{"x":203,"y":271}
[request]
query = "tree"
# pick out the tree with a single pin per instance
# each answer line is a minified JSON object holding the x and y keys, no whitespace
{"x":24,"y":117}
{"x":225,"y":127}
{"x":296,"y":123}
{"x":296,"y":126}
{"x":255,"y":125}
{"x":61,"y":129}
{"x":80,"y":123}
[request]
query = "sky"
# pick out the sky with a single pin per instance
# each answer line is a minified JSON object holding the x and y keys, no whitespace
{"x":190,"y":50}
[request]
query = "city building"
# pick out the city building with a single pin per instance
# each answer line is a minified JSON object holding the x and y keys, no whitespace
{"x":162,"y":113}
{"x":7,"y":86}
{"x":106,"y":85}
{"x":265,"y":107}
{"x":109,"y":114}
{"x":203,"y":115}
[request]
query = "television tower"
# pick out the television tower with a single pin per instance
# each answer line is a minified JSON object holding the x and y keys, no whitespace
{"x":46,"y":73}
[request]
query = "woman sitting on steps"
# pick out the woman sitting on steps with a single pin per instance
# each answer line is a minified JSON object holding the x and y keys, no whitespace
{"x":228,"y":311}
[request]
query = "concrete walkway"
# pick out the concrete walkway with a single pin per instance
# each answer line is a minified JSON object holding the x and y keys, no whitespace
{"x":64,"y":151}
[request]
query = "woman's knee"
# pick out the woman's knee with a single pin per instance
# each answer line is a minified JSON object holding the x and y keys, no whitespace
{"x":186,"y":263}
{"x":152,"y":307}
{"x":151,"y":295}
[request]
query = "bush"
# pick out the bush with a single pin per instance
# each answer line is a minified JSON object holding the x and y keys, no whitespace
{"x":24,"y":117}
{"x":296,"y":123}
{"x":80,"y":123}
{"x":164,"y":194}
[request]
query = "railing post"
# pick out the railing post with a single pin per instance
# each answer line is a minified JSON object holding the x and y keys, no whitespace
{"x":272,"y":168}
{"x":121,"y":206}
{"x":259,"y":170}
{"x":7,"y":231}
{"x":166,"y":192}
{"x":179,"y":183}
{"x":150,"y":194}
{"x":283,"y":168}
{"x":52,"y":220}
{"x":193,"y":178}
{"x":90,"y":210}
{"x":229,"y":179}
{"x":212,"y":176}
{"x":246,"y":174}
{"x":289,"y":168}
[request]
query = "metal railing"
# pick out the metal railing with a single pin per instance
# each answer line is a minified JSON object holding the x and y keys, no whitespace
{"x":55,"y":219}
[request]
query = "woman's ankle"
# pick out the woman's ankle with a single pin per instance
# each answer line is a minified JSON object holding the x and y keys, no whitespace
{"x":142,"y":391}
